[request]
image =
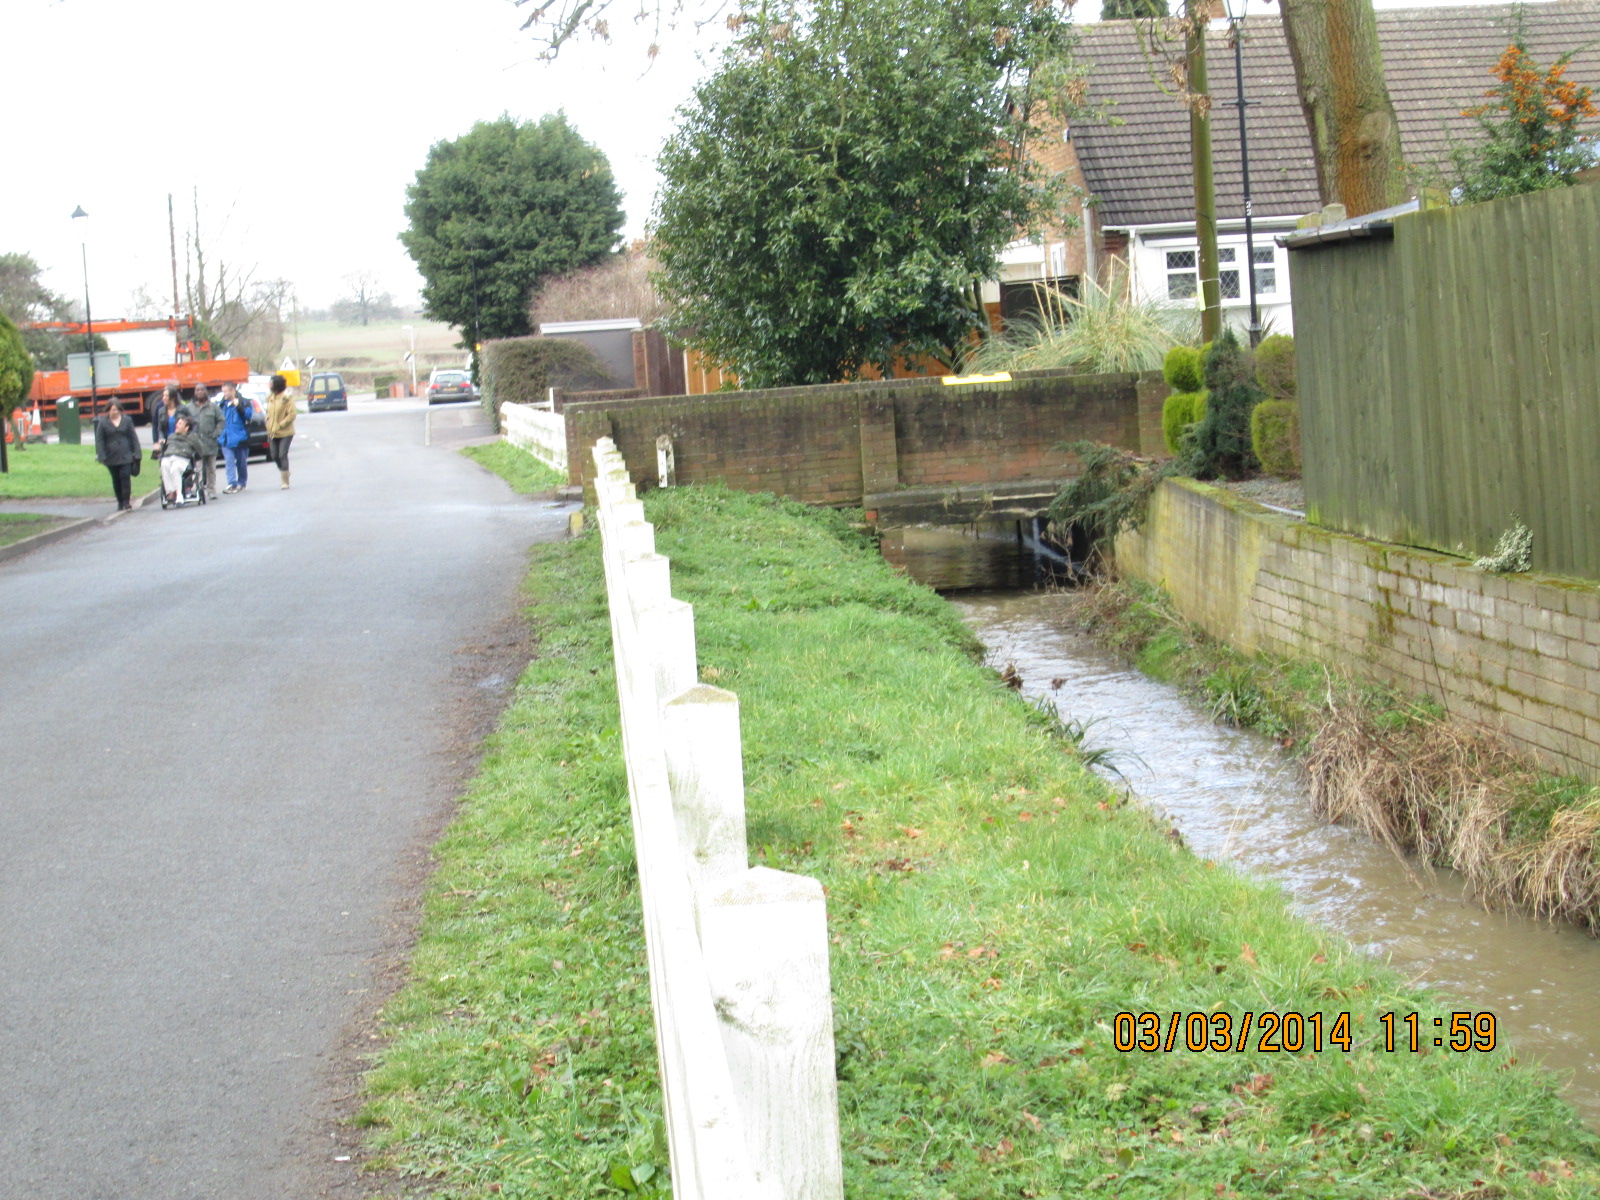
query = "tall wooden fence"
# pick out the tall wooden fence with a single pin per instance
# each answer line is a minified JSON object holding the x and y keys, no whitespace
{"x":738,"y":955}
{"x":1450,"y":378}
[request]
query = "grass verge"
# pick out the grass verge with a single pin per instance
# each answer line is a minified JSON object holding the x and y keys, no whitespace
{"x":16,"y":526}
{"x":526,"y":474}
{"x":1402,"y":769}
{"x":993,"y":906}
{"x":52,"y":471}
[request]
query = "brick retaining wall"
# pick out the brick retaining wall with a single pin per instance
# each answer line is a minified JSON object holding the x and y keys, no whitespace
{"x":1521,"y":652}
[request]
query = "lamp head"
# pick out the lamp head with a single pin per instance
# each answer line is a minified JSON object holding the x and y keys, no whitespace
{"x":1236,"y":9}
{"x":78,"y":212}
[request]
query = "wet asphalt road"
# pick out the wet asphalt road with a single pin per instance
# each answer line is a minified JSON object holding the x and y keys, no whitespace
{"x":223,"y":729}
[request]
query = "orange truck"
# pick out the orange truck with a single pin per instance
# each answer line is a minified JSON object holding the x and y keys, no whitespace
{"x":139,"y":386}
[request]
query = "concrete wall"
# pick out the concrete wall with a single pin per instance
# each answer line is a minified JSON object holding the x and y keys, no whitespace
{"x":1521,"y":652}
{"x":540,"y":432}
{"x":834,"y":444}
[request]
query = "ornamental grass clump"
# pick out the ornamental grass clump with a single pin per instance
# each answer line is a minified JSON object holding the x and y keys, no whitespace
{"x":1104,"y":330}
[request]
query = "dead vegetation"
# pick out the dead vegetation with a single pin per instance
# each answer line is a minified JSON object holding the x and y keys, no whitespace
{"x":1405,"y":771}
{"x":619,"y":287}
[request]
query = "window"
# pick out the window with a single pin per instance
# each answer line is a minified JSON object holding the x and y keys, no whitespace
{"x":1224,"y":254}
{"x":1265,"y":259}
{"x":1181,"y":278}
{"x":1022,"y":299}
{"x":1229,"y":281}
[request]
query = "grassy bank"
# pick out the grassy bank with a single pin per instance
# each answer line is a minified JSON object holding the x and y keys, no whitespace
{"x":16,"y":526}
{"x":50,"y":471}
{"x":992,"y":904}
{"x":1401,"y":768}
{"x":525,"y":473}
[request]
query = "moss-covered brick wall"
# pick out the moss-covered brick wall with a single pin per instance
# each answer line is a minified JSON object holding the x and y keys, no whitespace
{"x":1521,"y":652}
{"x":833,"y":444}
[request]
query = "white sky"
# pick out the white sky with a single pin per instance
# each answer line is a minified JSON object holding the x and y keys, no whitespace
{"x":301,"y":121}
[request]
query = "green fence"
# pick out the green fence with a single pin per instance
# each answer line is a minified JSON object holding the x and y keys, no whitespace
{"x":1450,"y":377}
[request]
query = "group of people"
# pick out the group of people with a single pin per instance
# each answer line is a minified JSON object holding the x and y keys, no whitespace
{"x":185,"y":435}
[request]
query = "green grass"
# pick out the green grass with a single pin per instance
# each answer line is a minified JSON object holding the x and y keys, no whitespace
{"x":993,"y":905}
{"x":49,"y":471}
{"x":16,"y":526}
{"x":525,"y":473}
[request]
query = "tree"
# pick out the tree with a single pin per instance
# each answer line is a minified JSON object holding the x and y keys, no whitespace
{"x":621,"y":286}
{"x":1338,"y":68}
{"x":838,"y":186}
{"x":1530,"y":130}
{"x":495,"y":212}
{"x":24,"y":298}
{"x":1126,"y":10}
{"x":365,"y":303}
{"x":16,"y":377}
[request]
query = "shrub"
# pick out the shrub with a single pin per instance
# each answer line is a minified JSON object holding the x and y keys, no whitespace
{"x":1275,"y":437}
{"x":1182,"y":369}
{"x":1178,"y":413}
{"x":1275,"y":370}
{"x":1222,"y":441}
{"x":523,"y":370}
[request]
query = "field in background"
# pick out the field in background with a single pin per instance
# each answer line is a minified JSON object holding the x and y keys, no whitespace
{"x":363,"y":352}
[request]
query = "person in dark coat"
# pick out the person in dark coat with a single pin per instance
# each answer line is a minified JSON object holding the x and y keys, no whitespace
{"x":206,"y":418}
{"x":164,"y":412}
{"x":116,"y":444}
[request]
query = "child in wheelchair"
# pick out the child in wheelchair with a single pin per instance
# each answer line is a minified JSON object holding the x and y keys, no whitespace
{"x":179,"y":479}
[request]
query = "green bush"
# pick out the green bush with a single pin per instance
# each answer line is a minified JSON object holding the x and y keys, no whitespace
{"x":1222,"y":441}
{"x":1182,"y":369}
{"x":523,"y":370}
{"x":1275,"y":437}
{"x":1275,"y":370}
{"x":1181,"y":410}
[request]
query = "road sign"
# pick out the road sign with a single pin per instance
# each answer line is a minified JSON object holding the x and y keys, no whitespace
{"x":408,"y":357}
{"x":287,"y":364}
{"x":311,"y":362}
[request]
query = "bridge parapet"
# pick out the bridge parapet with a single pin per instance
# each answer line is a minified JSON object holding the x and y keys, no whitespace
{"x":839,"y":444}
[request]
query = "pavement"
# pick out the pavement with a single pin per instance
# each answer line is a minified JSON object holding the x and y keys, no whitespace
{"x":230,"y":735}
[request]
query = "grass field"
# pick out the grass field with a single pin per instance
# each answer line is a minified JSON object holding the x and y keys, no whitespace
{"x":993,"y":906}
{"x":16,"y":526}
{"x":379,"y":346}
{"x":45,"y":471}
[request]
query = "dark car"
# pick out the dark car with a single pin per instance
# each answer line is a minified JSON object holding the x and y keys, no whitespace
{"x":327,"y":393}
{"x":450,"y":385}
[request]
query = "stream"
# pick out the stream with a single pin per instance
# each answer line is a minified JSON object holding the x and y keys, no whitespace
{"x":1235,"y":796}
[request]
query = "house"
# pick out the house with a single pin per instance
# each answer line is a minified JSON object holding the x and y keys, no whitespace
{"x":1134,"y":162}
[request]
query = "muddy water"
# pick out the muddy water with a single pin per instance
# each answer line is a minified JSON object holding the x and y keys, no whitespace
{"x":1235,"y":797}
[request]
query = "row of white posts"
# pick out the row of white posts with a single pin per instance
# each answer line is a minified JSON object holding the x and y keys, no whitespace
{"x":738,"y":955}
{"x":537,"y":430}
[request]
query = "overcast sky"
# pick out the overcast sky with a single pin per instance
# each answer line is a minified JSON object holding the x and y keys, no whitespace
{"x":301,"y":122}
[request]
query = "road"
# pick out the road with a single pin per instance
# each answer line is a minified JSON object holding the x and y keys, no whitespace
{"x":228,"y":734}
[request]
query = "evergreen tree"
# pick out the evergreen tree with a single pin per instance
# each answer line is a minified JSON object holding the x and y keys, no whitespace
{"x":502,"y":208}
{"x":1222,"y":440}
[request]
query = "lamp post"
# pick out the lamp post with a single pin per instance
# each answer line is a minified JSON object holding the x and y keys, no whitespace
{"x":1236,"y":15}
{"x":88,"y":321}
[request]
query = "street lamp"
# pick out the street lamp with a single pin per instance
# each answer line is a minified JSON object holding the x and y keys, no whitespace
{"x":88,"y":321}
{"x":1236,"y":15}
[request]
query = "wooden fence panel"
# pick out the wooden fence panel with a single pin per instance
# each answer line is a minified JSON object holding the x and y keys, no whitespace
{"x":1450,"y":378}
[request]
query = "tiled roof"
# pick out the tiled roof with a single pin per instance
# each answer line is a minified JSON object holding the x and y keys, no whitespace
{"x":1437,"y":60}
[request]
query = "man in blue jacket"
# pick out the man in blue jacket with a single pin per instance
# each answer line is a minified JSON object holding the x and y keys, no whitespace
{"x":235,"y":437}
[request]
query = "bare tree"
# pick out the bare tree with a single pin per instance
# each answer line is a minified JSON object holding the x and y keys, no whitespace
{"x":1338,"y":67}
{"x":363,"y":287}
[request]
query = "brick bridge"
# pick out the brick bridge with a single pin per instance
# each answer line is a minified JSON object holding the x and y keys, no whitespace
{"x":907,"y":451}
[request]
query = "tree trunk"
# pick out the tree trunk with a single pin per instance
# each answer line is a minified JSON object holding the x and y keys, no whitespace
{"x":1338,"y":69}
{"x":1205,"y":191}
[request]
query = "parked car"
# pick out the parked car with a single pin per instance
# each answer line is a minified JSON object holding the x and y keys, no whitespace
{"x":327,"y":392}
{"x":450,"y":383}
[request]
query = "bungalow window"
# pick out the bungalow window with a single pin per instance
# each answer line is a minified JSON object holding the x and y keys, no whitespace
{"x":1181,"y":278}
{"x":1229,"y":280}
{"x":1266,"y":270}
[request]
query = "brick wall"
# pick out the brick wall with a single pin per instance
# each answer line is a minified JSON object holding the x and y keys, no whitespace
{"x":1521,"y":652}
{"x":832,"y":444}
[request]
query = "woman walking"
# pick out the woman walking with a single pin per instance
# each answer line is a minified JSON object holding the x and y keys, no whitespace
{"x":116,"y":444}
{"x":163,"y":415}
{"x":280,"y":425}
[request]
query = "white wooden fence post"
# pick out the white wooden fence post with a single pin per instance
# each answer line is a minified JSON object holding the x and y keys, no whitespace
{"x":705,"y":767}
{"x":765,"y":939}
